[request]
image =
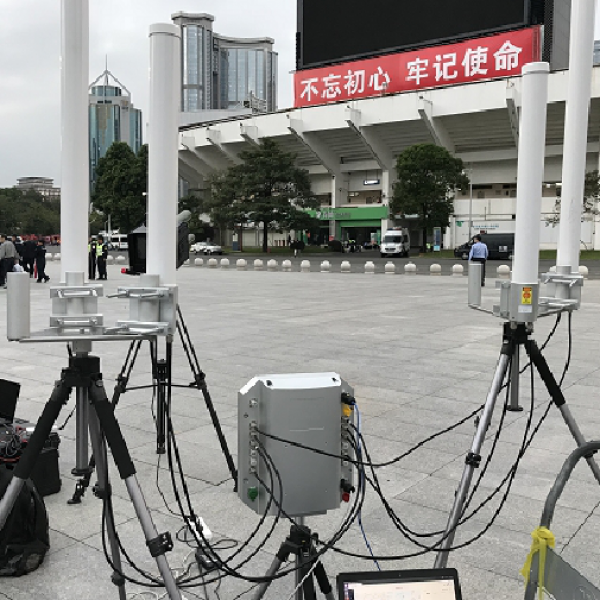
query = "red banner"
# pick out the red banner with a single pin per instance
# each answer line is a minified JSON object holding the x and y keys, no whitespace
{"x":500,"y":55}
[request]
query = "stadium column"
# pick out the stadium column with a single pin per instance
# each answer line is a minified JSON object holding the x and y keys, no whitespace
{"x":339,"y":197}
{"x":387,"y":192}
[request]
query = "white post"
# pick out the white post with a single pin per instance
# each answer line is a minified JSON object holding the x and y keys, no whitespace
{"x":163,"y":143}
{"x":75,"y":179}
{"x":576,"y":127}
{"x":530,"y":173}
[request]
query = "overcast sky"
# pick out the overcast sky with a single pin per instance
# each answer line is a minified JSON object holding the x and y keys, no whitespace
{"x":29,"y":63}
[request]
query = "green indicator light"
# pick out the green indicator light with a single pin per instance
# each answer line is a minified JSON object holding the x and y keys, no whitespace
{"x":253,"y":493}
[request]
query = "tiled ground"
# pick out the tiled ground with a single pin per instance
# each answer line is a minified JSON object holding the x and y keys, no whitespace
{"x":419,"y":360}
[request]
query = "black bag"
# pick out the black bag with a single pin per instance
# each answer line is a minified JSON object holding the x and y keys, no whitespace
{"x":24,"y":540}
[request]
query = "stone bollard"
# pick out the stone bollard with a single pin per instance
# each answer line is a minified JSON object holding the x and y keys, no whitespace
{"x":345,"y":266}
{"x":120,"y":259}
{"x":258,"y":265}
{"x":186,"y":263}
{"x":552,"y":269}
{"x":198,"y":262}
{"x":305,"y":266}
{"x":583,"y":271}
{"x":503,"y":272}
{"x":212,"y":263}
{"x":390,"y":268}
{"x":57,"y":256}
{"x":457,"y":270}
{"x":272,"y":265}
{"x":110,"y":259}
{"x":241,"y":264}
{"x":325,"y":266}
{"x":370,"y":267}
{"x":435,"y":269}
{"x":410,"y":269}
{"x":224,"y":263}
{"x":286,"y":266}
{"x":49,"y":256}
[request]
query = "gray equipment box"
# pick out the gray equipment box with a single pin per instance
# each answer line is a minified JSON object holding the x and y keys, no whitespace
{"x":306,"y":408}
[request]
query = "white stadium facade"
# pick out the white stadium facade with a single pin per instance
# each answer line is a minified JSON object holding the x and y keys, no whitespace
{"x":349,"y":149}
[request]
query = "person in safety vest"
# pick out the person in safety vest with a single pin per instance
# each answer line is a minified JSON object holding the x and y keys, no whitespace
{"x":101,"y":254}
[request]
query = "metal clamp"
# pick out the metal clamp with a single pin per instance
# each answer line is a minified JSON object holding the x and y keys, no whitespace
{"x":77,"y":322}
{"x":140,"y":293}
{"x":161,"y":544}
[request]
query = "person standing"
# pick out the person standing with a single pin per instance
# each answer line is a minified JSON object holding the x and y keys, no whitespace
{"x":40,"y":262}
{"x":29,"y":248}
{"x":92,"y":258}
{"x":101,"y":256}
{"x":479,"y":253}
{"x":19,"y":246}
{"x":8,"y":253}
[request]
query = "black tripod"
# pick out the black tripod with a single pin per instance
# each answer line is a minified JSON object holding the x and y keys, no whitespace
{"x":161,"y":382}
{"x":83,"y":372}
{"x":300,"y":543}
{"x":515,"y":335}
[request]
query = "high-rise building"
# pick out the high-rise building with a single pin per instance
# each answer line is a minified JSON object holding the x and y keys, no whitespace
{"x":42,"y":185}
{"x":112,"y":118}
{"x":223,"y":73}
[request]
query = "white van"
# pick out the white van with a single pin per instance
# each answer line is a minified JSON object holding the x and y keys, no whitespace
{"x":395,"y":242}
{"x":118,"y":241}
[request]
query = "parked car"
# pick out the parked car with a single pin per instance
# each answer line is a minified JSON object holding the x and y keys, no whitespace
{"x":500,"y":246}
{"x":206,"y":248}
{"x":371,"y":245}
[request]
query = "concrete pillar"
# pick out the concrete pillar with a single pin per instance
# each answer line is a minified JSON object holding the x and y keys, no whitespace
{"x":339,"y":196}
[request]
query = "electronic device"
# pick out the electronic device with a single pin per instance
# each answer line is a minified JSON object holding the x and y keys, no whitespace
{"x":418,"y":584}
{"x":9,"y":395}
{"x":312,"y":409}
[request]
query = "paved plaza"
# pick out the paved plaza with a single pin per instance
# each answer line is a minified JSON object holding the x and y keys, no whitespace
{"x":419,"y":360}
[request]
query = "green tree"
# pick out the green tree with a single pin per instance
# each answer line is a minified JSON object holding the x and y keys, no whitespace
{"x":28,"y":213}
{"x":121,"y":183}
{"x":428,"y":177}
{"x":589,"y":205}
{"x":267,"y":188}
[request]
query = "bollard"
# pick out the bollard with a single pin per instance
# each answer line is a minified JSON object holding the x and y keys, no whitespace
{"x":457,"y":271}
{"x":345,"y":266}
{"x":258,"y":265}
{"x":410,"y":269}
{"x":435,"y":269}
{"x":584,"y":271}
{"x":198,"y":262}
{"x":50,"y":257}
{"x":57,"y":256}
{"x":224,"y":263}
{"x":110,"y":259}
{"x":186,"y":263}
{"x":370,"y":267}
{"x":272,"y":265}
{"x":286,"y":266}
{"x":503,"y":272}
{"x":241,"y":264}
{"x":475,"y":269}
{"x":18,"y":306}
{"x":552,"y":269}
{"x":390,"y":268}
{"x":305,"y":266}
{"x":120,"y":259}
{"x":325,"y":266}
{"x":212,"y":263}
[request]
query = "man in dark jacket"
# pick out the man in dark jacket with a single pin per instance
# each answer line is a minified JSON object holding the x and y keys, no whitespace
{"x":40,"y":262}
{"x":101,"y":256}
{"x":92,"y":256}
{"x":29,"y":249}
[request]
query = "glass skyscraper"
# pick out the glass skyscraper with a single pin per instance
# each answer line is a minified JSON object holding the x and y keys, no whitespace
{"x":112,"y":118}
{"x":225,"y":73}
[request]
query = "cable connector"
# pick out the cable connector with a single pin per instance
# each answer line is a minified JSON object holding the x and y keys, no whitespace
{"x":473,"y":460}
{"x":348,"y":399}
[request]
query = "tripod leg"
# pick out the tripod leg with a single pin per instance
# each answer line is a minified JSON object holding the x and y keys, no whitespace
{"x":103,"y":491}
{"x":81,"y":435}
{"x":42,"y":430}
{"x":559,"y":400}
{"x":473,"y":457}
{"x":200,"y":383}
{"x":161,"y":406}
{"x":514,"y":405}
{"x":263,"y":587}
{"x":321,"y":577}
{"x":158,"y":544}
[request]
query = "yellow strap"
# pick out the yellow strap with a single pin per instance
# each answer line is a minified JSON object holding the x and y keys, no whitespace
{"x":542,"y":538}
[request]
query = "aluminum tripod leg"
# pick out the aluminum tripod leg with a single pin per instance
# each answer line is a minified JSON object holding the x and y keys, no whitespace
{"x":81,"y":432}
{"x":158,"y":544}
{"x":263,"y":587}
{"x":515,"y":367}
{"x":101,"y":463}
{"x":473,"y":458}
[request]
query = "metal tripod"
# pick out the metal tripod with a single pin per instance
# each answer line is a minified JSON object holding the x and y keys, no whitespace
{"x":83,"y":373}
{"x":161,"y":370}
{"x":515,"y":335}
{"x":301,"y":543}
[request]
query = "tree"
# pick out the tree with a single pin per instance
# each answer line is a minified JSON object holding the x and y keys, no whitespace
{"x":428,"y":177}
{"x":28,"y":213}
{"x":121,"y":183}
{"x":589,"y":205}
{"x":266,"y":188}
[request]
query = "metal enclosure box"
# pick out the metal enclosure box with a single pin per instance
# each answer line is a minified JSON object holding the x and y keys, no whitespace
{"x":306,"y":408}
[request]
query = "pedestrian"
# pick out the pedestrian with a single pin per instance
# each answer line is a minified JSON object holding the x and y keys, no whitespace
{"x":19,"y":246}
{"x":18,"y":268}
{"x":479,"y":253}
{"x":29,"y":248}
{"x":101,"y":256}
{"x":40,"y":262}
{"x":92,"y":255}
{"x":8,"y":253}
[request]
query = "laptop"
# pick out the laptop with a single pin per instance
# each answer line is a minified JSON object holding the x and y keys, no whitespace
{"x":9,"y":394}
{"x":421,"y":584}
